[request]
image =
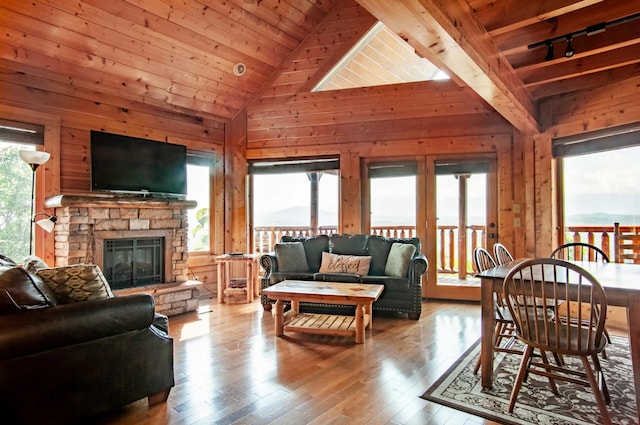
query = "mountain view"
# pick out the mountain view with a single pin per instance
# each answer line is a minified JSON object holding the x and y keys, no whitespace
{"x":595,"y":195}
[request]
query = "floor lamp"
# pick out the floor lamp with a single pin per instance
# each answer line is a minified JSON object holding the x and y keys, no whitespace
{"x":36,"y":159}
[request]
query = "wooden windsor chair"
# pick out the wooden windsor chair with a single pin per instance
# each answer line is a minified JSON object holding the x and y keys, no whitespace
{"x":503,"y":335}
{"x":501,"y":254}
{"x":532,"y":288}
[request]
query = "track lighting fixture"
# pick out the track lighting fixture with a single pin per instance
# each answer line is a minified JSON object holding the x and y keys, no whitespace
{"x":589,"y":31}
{"x":569,"y":51}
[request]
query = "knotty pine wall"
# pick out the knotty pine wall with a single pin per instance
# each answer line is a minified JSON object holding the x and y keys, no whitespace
{"x":419,"y":120}
{"x":425,"y":119}
{"x":69,"y":114}
{"x":381,"y":122}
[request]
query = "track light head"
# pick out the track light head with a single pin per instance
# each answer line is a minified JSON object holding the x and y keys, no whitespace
{"x":569,"y":50}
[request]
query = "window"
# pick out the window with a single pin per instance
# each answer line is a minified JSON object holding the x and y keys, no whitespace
{"x":393,"y":199}
{"x":199,"y":172}
{"x":297,"y":198}
{"x":599,"y":182}
{"x":15,"y":186}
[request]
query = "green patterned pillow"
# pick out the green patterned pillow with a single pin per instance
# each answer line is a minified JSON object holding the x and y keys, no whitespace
{"x":82,"y":282}
{"x":399,"y":259}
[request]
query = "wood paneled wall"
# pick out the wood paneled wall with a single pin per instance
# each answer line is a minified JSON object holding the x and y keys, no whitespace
{"x":69,"y":113}
{"x":385,"y":122}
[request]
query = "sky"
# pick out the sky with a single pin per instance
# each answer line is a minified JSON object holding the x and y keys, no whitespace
{"x":604,"y":183}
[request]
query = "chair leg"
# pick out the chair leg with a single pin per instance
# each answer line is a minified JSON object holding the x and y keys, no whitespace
{"x":517,"y":384}
{"x":552,"y":382}
{"x":600,"y":377}
{"x":593,"y":383}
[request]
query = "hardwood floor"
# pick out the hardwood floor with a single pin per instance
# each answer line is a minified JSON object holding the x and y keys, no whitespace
{"x":231,"y":369}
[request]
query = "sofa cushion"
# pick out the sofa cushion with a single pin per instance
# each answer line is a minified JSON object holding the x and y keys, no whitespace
{"x":400,"y":256}
{"x":279,"y":276}
{"x":313,"y":249}
{"x":379,"y":247}
{"x":21,"y":290}
{"x":291,"y":257}
{"x":391,"y":284}
{"x":354,"y":264}
{"x":349,"y":244}
{"x":80,"y":282}
{"x":337,"y":277}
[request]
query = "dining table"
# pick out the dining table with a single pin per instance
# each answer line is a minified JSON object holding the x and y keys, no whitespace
{"x":621,"y":283}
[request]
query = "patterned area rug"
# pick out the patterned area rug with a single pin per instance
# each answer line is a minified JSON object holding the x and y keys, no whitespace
{"x":460,"y":389}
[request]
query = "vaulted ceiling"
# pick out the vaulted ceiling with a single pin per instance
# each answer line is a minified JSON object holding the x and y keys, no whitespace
{"x":181,"y":55}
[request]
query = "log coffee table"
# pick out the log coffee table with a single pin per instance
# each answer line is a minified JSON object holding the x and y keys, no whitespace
{"x":360,"y":295}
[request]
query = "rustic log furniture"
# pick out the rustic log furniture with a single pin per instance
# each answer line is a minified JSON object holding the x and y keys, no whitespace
{"x":361,"y":296}
{"x":620,"y":283}
{"x":250,"y":261}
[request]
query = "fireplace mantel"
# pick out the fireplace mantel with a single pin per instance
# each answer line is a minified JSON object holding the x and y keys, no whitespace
{"x":107,"y":200}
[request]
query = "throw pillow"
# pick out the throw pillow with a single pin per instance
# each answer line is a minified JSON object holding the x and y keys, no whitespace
{"x":291,"y":257}
{"x":356,"y":264}
{"x":313,"y":248}
{"x":400,"y":256}
{"x":82,"y":282}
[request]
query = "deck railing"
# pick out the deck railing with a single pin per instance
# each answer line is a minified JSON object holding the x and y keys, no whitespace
{"x":265,"y":238}
{"x":600,"y":236}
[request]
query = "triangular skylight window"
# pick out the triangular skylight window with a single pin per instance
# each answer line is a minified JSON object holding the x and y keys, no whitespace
{"x":380,"y":57}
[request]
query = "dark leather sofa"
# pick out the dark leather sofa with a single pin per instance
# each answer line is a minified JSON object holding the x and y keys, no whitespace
{"x":65,"y":363}
{"x":402,"y":293}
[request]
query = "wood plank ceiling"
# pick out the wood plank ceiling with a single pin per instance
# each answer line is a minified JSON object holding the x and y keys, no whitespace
{"x":180,"y":55}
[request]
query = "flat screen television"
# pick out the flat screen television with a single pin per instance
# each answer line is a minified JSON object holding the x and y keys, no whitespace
{"x":130,"y":165}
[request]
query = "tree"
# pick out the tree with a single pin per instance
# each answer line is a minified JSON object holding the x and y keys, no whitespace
{"x":15,"y":203}
{"x":199,"y":240}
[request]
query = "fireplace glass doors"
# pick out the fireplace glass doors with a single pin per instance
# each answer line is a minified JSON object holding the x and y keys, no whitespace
{"x":133,"y":262}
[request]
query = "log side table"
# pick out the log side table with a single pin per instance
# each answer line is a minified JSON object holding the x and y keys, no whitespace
{"x":251,"y":262}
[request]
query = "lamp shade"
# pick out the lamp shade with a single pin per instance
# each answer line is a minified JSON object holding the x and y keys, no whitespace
{"x":47,"y":223}
{"x":34,"y":157}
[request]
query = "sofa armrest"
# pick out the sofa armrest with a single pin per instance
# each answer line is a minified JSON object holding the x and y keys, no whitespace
{"x":270,"y":265}
{"x":417,"y":267}
{"x":49,"y":328}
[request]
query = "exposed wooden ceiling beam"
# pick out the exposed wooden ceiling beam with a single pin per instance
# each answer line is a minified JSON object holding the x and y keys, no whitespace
{"x":446,"y":33}
{"x":581,"y":66}
{"x":514,"y":14}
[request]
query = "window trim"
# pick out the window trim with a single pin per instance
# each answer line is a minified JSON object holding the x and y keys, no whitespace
{"x":621,"y":137}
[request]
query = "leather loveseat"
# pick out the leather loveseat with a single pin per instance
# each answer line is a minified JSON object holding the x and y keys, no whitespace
{"x":73,"y":350}
{"x":396,"y":263}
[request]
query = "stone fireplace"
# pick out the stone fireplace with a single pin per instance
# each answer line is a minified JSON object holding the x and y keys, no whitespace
{"x":86,"y":221}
